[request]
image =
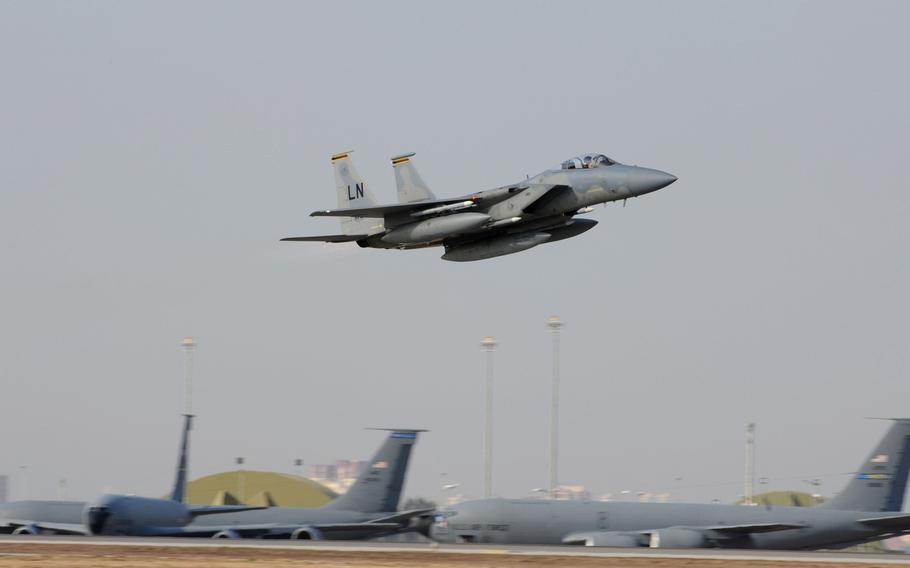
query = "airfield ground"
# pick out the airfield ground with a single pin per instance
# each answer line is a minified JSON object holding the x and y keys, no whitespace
{"x":43,"y":555}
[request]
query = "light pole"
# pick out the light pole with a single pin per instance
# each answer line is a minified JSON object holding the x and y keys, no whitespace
{"x":188,"y":346}
{"x":489,"y":345}
{"x":750,"y":463}
{"x":555,"y":326}
{"x":23,"y":470}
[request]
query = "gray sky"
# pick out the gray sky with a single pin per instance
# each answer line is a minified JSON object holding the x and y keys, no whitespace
{"x":153,"y":153}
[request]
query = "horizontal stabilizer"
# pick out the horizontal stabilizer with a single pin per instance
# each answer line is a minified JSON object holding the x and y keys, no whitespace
{"x":403,"y":516}
{"x":384,"y":210}
{"x":894,"y":521}
{"x":327,"y":238}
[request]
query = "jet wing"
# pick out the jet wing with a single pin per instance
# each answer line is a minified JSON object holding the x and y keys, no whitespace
{"x":893,"y":521}
{"x":549,"y":196}
{"x":381,"y":211}
{"x":328,"y":238}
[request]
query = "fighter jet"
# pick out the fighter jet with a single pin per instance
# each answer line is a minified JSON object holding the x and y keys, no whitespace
{"x":149,"y":516}
{"x":866,"y":510}
{"x":541,"y":209}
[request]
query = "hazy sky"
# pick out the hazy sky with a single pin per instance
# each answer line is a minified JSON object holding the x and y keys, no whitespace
{"x":153,"y":153}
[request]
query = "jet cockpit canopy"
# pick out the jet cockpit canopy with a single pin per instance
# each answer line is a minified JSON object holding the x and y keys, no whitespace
{"x":587,"y":161}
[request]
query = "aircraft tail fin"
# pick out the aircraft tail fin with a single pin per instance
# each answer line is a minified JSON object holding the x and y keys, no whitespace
{"x":352,"y":194}
{"x":378,"y":488}
{"x":411,"y":187}
{"x":881,"y":481}
{"x":178,"y":493}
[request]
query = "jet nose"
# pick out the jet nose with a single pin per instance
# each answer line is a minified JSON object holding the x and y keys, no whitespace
{"x":646,"y":180}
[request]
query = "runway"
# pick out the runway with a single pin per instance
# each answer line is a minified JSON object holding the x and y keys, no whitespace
{"x":56,"y":551}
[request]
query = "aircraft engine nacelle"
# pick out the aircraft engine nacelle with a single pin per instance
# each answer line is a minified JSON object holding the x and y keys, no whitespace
{"x":130,"y":515}
{"x":27,"y":530}
{"x":677,"y":537}
{"x":307,"y":533}
{"x":605,"y":538}
{"x":422,"y":524}
{"x":436,"y":228}
{"x":227,"y":533}
{"x":497,"y":246}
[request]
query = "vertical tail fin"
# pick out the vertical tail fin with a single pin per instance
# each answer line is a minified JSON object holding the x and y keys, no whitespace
{"x":881,"y":481}
{"x":378,"y":488}
{"x":178,"y":493}
{"x":411,"y":186}
{"x":352,"y":192}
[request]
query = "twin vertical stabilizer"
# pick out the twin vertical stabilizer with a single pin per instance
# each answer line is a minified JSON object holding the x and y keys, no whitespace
{"x":411,"y":187}
{"x":353,"y":193}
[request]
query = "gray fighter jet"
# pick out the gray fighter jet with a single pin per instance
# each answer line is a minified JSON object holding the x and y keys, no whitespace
{"x":149,"y":516}
{"x":866,"y":510}
{"x":505,"y":220}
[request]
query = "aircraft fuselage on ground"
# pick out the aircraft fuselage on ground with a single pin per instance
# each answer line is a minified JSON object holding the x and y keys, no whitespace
{"x":868,"y":509}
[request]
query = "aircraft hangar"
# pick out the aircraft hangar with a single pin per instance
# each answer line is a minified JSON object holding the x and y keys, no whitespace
{"x":258,"y":488}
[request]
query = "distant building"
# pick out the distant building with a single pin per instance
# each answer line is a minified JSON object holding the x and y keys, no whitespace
{"x":323,"y":473}
{"x":4,"y":488}
{"x":572,"y":493}
{"x":338,"y":476}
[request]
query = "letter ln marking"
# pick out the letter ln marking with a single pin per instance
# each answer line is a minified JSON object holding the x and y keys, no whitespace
{"x":357,"y":193}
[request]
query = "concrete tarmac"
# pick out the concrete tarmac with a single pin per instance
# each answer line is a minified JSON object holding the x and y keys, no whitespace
{"x":16,"y":548}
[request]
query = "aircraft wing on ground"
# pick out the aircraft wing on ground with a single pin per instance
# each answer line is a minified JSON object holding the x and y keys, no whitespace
{"x":314,"y":531}
{"x":327,"y":531}
{"x":743,"y":530}
{"x":675,"y":537}
{"x":31,"y":527}
{"x":893,"y":521}
{"x":199,"y":510}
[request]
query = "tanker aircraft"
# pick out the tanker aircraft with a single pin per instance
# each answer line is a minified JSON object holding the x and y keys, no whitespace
{"x":367,"y":509}
{"x":147,"y":515}
{"x":505,"y":220}
{"x":866,"y":510}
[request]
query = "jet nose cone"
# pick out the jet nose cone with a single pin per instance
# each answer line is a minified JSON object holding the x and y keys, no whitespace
{"x":646,"y":180}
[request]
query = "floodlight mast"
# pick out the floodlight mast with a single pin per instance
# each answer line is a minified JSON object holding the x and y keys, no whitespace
{"x":555,"y":326}
{"x":489,"y":345}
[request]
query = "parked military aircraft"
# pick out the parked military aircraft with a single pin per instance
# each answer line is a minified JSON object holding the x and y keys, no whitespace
{"x":368,"y":509}
{"x":148,"y":516}
{"x":866,"y":510}
{"x":505,"y":220}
